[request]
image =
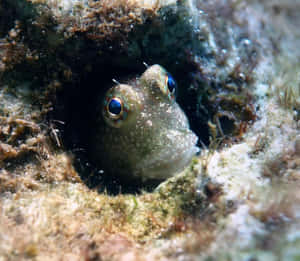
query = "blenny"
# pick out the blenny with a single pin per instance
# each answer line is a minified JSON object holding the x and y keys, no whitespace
{"x":141,"y":132}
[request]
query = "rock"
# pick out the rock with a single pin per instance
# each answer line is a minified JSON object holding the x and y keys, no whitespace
{"x":237,"y":65}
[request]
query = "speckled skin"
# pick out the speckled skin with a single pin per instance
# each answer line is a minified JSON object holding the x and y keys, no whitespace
{"x":152,"y":140}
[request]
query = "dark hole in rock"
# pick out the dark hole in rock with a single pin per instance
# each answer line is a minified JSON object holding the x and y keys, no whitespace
{"x":77,"y":101}
{"x":76,"y":108}
{"x":227,"y":125}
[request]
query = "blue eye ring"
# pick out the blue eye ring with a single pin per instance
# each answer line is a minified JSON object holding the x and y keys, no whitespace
{"x":171,"y":86}
{"x":115,"y":107}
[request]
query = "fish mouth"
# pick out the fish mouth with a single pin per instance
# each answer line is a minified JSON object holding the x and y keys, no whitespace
{"x":173,"y":156}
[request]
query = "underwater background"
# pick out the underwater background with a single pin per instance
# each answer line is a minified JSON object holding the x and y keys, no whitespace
{"x":94,"y":166}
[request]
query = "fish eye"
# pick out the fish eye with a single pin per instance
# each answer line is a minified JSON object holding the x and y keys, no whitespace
{"x":170,"y":87}
{"x":171,"y":83}
{"x":120,"y":106}
{"x":114,"y":111}
{"x":160,"y":82}
{"x":115,"y":107}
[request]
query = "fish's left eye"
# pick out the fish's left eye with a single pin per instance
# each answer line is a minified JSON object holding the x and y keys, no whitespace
{"x":170,"y":87}
{"x":160,"y":82}
{"x":171,"y":83}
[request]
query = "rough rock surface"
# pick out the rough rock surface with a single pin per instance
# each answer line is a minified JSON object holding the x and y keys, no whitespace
{"x":237,"y":67}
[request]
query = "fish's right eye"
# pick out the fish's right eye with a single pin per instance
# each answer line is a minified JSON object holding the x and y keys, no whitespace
{"x":115,"y":111}
{"x":120,"y":106}
{"x":115,"y":107}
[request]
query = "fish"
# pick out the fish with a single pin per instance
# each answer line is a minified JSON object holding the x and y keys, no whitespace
{"x":140,"y":131}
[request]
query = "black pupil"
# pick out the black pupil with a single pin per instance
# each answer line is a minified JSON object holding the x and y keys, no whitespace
{"x":171,"y":83}
{"x":115,"y":107}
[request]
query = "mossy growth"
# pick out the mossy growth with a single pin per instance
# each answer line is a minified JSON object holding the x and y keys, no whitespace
{"x":140,"y":220}
{"x":286,"y":87}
